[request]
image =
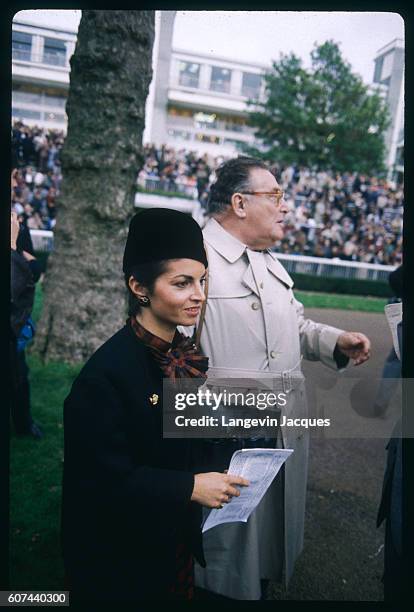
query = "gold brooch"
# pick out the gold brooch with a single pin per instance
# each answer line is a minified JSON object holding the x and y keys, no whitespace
{"x":154,"y":399}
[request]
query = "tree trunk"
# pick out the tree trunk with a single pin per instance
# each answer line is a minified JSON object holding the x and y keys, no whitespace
{"x":84,"y":291}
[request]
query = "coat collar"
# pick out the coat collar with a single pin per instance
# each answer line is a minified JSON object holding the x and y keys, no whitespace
{"x":222,"y":241}
{"x":232,"y":249}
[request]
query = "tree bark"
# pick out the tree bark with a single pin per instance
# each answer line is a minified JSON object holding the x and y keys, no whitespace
{"x":84,"y":292}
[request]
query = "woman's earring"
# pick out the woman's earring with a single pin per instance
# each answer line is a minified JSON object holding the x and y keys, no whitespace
{"x":143,"y":300}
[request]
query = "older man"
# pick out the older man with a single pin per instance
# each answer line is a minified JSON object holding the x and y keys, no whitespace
{"x":253,"y":322}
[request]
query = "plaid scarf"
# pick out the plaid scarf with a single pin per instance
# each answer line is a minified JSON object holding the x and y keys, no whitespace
{"x":178,"y":359}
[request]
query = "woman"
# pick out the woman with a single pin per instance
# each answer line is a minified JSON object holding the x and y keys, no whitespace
{"x":131,"y":502}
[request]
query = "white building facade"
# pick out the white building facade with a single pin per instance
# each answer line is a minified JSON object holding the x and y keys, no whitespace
{"x":389,"y":74}
{"x":197,"y":102}
{"x":40,"y":73}
{"x":206,"y":108}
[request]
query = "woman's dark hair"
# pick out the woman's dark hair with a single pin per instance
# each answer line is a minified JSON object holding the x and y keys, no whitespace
{"x":146,"y":274}
{"x":232,"y":176}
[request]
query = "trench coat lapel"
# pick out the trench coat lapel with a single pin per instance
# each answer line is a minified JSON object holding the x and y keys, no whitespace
{"x":275,"y":267}
{"x":248,"y":280}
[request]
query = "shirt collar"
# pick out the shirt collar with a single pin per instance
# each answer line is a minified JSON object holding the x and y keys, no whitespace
{"x":222,"y":241}
{"x":225,"y":243}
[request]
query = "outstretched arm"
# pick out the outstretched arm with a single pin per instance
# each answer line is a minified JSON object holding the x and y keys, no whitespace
{"x":331,"y":345}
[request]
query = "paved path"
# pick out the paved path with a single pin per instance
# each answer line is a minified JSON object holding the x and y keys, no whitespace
{"x":343,"y":553}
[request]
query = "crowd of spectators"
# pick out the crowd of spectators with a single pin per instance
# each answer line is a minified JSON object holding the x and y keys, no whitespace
{"x":36,"y":175}
{"x":180,"y":171}
{"x":348,"y":216}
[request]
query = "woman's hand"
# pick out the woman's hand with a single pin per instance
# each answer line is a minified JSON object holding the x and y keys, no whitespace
{"x":212,"y":489}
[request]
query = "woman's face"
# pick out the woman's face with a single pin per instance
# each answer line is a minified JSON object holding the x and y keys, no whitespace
{"x":177,"y":295}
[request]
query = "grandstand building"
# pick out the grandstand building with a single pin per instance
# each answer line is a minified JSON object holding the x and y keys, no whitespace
{"x":389,"y":74}
{"x":40,"y":73}
{"x":198,"y":101}
{"x":206,"y":106}
{"x":195,"y":101}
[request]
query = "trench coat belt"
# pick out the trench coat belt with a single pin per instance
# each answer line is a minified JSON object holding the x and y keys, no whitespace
{"x":254,"y":379}
{"x":290,"y":376}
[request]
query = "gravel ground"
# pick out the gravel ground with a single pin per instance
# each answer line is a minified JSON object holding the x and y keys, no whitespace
{"x":342,"y":558}
{"x":343,"y":552}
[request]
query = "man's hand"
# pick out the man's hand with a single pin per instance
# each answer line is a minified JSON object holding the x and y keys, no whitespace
{"x":354,"y":345}
{"x":212,"y":489}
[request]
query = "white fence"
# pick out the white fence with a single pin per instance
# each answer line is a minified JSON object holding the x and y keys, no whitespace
{"x":334,"y":268}
{"x":315,"y":266}
{"x":150,"y":200}
{"x":154,"y":183}
{"x":42,"y":240}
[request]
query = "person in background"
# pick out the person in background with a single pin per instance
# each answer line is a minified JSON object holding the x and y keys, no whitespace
{"x":390,"y":508}
{"x":391,"y":372}
{"x":24,"y":273}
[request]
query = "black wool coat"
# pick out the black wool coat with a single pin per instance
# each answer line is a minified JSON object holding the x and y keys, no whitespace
{"x":126,"y":490}
{"x":21,"y":292}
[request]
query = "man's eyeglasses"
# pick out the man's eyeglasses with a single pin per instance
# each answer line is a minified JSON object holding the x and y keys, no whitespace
{"x":274,"y":196}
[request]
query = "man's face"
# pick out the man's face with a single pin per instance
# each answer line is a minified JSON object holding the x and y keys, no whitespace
{"x":265,"y":217}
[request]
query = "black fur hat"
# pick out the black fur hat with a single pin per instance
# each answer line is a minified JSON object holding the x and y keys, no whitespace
{"x":162,"y":233}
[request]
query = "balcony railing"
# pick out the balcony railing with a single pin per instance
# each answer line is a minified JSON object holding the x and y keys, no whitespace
{"x":186,"y":80}
{"x":24,"y":55}
{"x":50,"y":59}
{"x":55,"y":59}
{"x":221,"y":86}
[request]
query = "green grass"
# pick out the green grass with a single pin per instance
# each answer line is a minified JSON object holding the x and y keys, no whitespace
{"x":35,"y":479}
{"x":342,"y":302}
{"x":35,"y":483}
{"x":36,"y":465}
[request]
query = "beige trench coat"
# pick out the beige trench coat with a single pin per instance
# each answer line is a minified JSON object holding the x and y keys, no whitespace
{"x":254,"y":322}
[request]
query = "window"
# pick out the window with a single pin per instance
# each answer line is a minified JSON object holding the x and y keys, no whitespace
{"x":208,"y":138}
{"x":387,"y":66}
{"x":235,"y":124}
{"x":179,"y":117}
{"x":378,"y":69}
{"x":220,"y":79}
{"x":204,"y":120}
{"x":54,"y":52}
{"x":383,"y":68}
{"x":21,"y":46}
{"x":26,"y":97}
{"x":51,"y":116}
{"x":251,"y":84}
{"x":24,"y":113}
{"x":189,"y":74}
{"x":56,"y":101}
{"x":183,"y":135}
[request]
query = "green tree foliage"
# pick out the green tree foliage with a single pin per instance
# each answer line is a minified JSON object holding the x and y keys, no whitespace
{"x":324,"y":118}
